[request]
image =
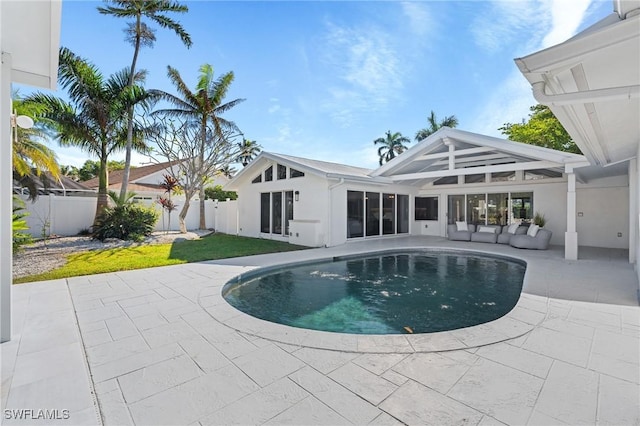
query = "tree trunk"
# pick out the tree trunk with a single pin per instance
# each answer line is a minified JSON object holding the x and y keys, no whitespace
{"x":203,"y":219}
{"x":203,"y":135}
{"x":183,"y":215}
{"x":103,"y":184}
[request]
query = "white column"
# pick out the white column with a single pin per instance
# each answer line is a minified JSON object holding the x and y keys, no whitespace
{"x":6,"y":185}
{"x":633,"y":209}
{"x":571,"y":236}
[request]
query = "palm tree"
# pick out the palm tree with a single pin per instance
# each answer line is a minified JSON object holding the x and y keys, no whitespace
{"x":138,"y":33}
{"x":248,"y":151}
{"x":228,"y":171}
{"x":30,"y":155}
{"x":203,"y":106}
{"x":434,"y":125}
{"x":95,"y":117}
{"x":392,"y":144}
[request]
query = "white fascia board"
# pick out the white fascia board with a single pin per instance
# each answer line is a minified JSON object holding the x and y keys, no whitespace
{"x":365,"y":179}
{"x":531,"y":165}
{"x":570,"y":52}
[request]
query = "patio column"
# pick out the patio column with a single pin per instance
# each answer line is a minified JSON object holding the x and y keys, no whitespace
{"x":571,"y":236}
{"x":6,"y":185}
{"x":633,"y":209}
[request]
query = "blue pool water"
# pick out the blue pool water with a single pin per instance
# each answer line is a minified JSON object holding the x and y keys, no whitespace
{"x":419,"y":292}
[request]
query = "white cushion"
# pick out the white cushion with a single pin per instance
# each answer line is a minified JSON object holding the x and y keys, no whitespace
{"x":462,"y":226}
{"x":513,"y":228}
{"x":487,"y":229}
{"x":533,"y":230}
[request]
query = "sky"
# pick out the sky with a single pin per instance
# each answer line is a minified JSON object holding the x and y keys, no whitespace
{"x":324,"y":79}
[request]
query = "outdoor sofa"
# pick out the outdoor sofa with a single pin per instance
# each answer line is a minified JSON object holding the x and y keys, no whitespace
{"x":522,"y":236}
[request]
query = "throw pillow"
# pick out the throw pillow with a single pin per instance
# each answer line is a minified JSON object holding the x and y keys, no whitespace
{"x":487,"y":229}
{"x":513,"y":228}
{"x":462,"y":226}
{"x":533,"y":230}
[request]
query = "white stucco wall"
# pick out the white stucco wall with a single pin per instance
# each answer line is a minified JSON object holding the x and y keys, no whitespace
{"x":603,"y":209}
{"x":312,"y":204}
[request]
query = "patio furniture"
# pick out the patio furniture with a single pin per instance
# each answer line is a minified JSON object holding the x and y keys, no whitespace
{"x":505,"y":236}
{"x":454,"y":235}
{"x":538,"y":242}
{"x":486,"y":234}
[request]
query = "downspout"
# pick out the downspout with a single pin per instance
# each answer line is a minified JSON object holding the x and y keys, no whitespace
{"x":329,"y":212}
{"x":596,"y":95}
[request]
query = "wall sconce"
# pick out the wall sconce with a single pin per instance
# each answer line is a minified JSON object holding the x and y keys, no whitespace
{"x":297,"y":195}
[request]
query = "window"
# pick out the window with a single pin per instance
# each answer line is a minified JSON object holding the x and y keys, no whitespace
{"x":373,"y":213}
{"x":293,"y":173}
{"x":447,"y":180}
{"x":503,"y":176}
{"x":257,"y":179}
{"x":276,"y":211}
{"x":490,"y":209}
{"x":541,"y":174}
{"x":426,"y":208}
{"x":265,"y":212}
{"x":479,"y":178}
{"x":402,"y":213}
{"x":355,"y":216}
{"x":268,"y":174}
{"x":388,"y":214}
{"x":282,"y":172}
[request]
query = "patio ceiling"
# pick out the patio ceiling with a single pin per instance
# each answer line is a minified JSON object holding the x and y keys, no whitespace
{"x":591,"y":82}
{"x":453,"y":152}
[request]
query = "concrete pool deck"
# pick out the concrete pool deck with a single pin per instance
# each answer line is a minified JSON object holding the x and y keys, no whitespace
{"x":160,"y":346}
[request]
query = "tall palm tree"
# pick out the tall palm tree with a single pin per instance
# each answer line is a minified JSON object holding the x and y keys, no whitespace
{"x":30,"y":155}
{"x":392,"y":144}
{"x":434,"y":125}
{"x":248,"y":151}
{"x":139,"y":34}
{"x":95,"y":117}
{"x":203,"y":106}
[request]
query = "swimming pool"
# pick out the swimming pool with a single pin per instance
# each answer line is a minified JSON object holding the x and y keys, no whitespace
{"x":408,"y":292}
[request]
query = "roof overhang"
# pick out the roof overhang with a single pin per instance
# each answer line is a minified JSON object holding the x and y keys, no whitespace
{"x":31,"y":35}
{"x":591,"y":82}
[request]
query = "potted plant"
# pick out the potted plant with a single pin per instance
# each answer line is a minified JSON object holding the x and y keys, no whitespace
{"x":539,"y":220}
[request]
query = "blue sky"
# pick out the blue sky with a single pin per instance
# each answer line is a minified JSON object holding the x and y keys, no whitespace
{"x":324,"y":79}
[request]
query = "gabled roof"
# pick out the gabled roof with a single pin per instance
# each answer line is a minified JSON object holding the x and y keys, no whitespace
{"x":135,"y":173}
{"x":454,"y":152}
{"x":591,"y":83}
{"x":315,"y":167}
{"x":45,"y":183}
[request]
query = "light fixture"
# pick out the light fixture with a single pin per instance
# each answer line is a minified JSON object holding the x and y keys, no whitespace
{"x":22,"y":121}
{"x":297,"y":195}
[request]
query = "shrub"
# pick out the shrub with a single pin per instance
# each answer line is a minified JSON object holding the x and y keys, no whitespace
{"x":539,"y":220}
{"x":126,"y":221}
{"x":217,"y":193}
{"x":19,"y":225}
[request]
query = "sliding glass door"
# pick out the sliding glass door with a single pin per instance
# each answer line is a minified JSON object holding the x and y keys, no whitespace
{"x":276,"y":211}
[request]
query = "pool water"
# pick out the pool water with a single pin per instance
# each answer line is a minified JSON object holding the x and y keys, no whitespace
{"x":410,"y":292}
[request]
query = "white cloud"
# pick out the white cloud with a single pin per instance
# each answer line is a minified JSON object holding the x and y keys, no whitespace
{"x":368,"y":69}
{"x":421,"y":22}
{"x":566,"y":17}
{"x":526,"y":26}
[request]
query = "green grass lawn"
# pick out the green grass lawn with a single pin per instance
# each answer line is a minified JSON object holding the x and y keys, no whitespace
{"x":217,"y":246}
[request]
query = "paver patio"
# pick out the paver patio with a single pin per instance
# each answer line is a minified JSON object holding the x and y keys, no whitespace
{"x":161,"y":346}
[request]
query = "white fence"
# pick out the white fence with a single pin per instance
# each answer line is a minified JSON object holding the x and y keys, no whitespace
{"x":67,"y":216}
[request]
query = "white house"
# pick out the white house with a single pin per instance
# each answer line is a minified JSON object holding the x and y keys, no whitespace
{"x":591,"y":82}
{"x":453,"y":175}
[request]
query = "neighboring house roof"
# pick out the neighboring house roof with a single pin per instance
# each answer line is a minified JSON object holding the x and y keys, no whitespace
{"x":319,"y":168}
{"x":46,"y":184}
{"x":135,"y":173}
{"x":591,"y":83}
